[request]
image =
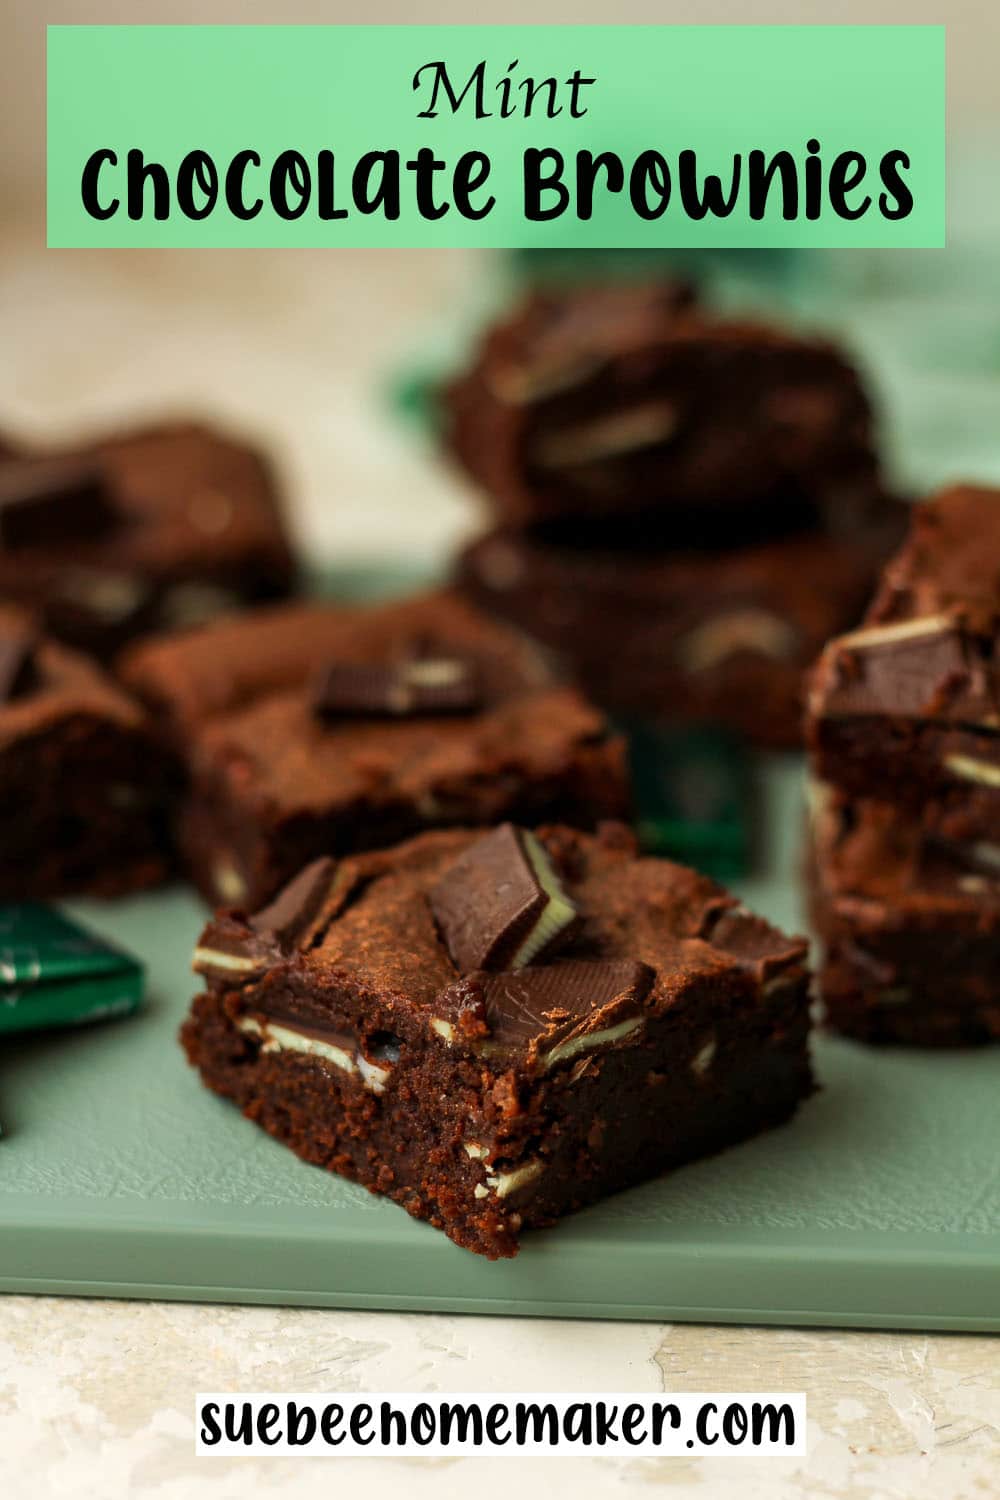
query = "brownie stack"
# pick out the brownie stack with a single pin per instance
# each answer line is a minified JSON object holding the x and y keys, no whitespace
{"x":687,"y":507}
{"x":903,"y":729}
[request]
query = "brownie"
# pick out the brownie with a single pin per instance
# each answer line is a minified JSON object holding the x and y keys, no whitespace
{"x":150,"y":530}
{"x":188,"y":676}
{"x":685,"y":636}
{"x":605,"y":403}
{"x":84,"y":782}
{"x":658,"y":1022}
{"x":906,"y":710}
{"x":357,"y":758}
{"x":910,"y":925}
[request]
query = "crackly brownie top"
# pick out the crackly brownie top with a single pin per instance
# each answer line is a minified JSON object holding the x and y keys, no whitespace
{"x":950,"y":562}
{"x":871,"y":860}
{"x":194,"y":674}
{"x":147,"y":500}
{"x":338,"y":736}
{"x":646,"y":934}
{"x":43,"y":684}
{"x":930,"y":644}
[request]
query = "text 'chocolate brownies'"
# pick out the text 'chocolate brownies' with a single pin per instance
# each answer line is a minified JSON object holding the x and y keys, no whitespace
{"x":496,"y":1029}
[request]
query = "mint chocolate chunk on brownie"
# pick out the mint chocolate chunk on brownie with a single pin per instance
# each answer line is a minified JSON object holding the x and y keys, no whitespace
{"x":659,"y":1022}
{"x":906,"y":710}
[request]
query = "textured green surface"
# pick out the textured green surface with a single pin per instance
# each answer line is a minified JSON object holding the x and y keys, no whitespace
{"x":120,"y":1175}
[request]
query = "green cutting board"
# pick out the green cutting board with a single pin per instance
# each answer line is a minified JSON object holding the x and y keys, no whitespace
{"x":121,"y":1176}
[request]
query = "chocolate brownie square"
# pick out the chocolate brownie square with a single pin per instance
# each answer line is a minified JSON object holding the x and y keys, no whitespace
{"x":425,"y":714}
{"x":188,"y":676}
{"x":910,"y":927}
{"x":150,"y":530}
{"x":697,"y":637}
{"x":606,"y":403}
{"x":84,"y":782}
{"x":906,"y":710}
{"x":496,"y":1029}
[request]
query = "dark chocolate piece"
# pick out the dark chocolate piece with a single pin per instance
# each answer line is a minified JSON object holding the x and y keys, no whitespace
{"x":421,"y":685}
{"x":18,"y":662}
{"x":51,"y":501}
{"x":496,"y":1102}
{"x":288,"y":916}
{"x":565,"y":1009}
{"x":501,"y":906}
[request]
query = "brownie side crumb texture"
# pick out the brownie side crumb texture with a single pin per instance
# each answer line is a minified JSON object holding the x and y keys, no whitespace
{"x":84,"y":781}
{"x":360,"y":1045}
{"x":910,"y":926}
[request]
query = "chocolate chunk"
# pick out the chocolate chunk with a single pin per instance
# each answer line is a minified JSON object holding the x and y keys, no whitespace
{"x":18,"y":663}
{"x":52,"y":501}
{"x":565,"y":1009}
{"x":501,"y":904}
{"x":423,"y":685}
{"x":287,"y":917}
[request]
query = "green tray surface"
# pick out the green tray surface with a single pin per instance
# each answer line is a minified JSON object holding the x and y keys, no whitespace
{"x":120,"y":1175}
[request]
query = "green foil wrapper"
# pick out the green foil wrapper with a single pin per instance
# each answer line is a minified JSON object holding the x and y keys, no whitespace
{"x":55,"y":973}
{"x":692,"y":791}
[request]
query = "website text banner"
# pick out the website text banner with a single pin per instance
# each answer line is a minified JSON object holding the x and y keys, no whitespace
{"x":528,"y":136}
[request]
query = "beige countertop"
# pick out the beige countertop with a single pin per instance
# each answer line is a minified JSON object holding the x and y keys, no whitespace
{"x":97,"y":1398}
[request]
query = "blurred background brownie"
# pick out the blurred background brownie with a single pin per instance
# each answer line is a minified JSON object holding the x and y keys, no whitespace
{"x":689,"y":507}
{"x":149,"y":530}
{"x":721,"y":638}
{"x":84,"y":783}
{"x":615,"y":401}
{"x":425,"y":714}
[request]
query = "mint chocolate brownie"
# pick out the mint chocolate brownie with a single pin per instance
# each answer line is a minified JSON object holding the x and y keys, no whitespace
{"x":721,"y":638}
{"x":605,"y":402}
{"x":910,"y":926}
{"x":495,"y":1029}
{"x":84,"y":783}
{"x":146,"y":531}
{"x":423,"y":714}
{"x":906,"y":710}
